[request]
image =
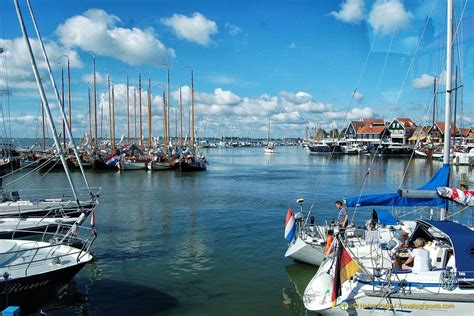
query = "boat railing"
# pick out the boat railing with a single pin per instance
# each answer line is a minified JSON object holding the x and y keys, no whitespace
{"x":79,"y":238}
{"x":62,"y":194}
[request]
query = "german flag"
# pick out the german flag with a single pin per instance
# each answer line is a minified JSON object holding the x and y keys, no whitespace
{"x":345,"y":268}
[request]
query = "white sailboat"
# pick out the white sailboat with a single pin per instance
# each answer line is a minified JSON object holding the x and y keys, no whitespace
{"x":370,"y":283}
{"x":271,"y":147}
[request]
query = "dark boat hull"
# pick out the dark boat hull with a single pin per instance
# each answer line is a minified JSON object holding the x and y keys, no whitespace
{"x":98,"y":164}
{"x":193,"y":166}
{"x":32,"y":292}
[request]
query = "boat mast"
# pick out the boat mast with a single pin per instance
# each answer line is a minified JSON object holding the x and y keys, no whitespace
{"x":113,"y":119}
{"x":455,"y":104}
{"x":192,"y":110}
{"x":95,"y":103}
{"x":140,"y":106}
{"x":135,"y":114}
{"x":180,"y":118}
{"x":149,"y":113}
{"x":164,"y":123}
{"x":69,"y":92}
{"x":128,"y":112}
{"x":43,"y":98}
{"x":43,"y":143}
{"x":90,"y":114}
{"x":110,"y":107}
{"x":62,"y":105}
{"x":447,"y":113}
{"x":168,"y":105}
{"x":53,"y":81}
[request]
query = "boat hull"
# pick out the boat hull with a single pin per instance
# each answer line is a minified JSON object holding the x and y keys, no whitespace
{"x":30,"y":293}
{"x":301,"y":251}
{"x":132,"y":165}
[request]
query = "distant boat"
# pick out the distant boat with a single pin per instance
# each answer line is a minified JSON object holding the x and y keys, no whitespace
{"x":390,"y":149}
{"x":271,"y":148}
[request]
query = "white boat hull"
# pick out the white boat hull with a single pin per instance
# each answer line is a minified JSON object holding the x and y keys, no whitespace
{"x":131,"y":165}
{"x":157,"y":166}
{"x":302,"y":251}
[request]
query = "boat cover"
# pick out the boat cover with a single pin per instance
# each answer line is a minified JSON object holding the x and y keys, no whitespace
{"x":385,"y":217}
{"x":440,"y":179}
{"x":461,"y":237}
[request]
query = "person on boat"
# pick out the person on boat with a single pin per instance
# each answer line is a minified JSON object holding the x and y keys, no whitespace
{"x":329,"y":240}
{"x":343,"y":217}
{"x":419,"y":257}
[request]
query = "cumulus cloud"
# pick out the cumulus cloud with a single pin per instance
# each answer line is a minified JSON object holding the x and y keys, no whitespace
{"x":99,"y":31}
{"x":232,"y":29}
{"x":20,"y":74}
{"x":197,"y":29}
{"x":358,"y":96}
{"x":426,"y":81}
{"x":353,"y":114}
{"x":389,"y":15}
{"x":351,"y":11}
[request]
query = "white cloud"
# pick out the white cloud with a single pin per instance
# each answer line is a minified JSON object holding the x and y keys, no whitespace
{"x":220,"y":97}
{"x":289,"y":118}
{"x":352,"y":11}
{"x":424,"y":81}
{"x":98,"y":31}
{"x":20,"y":75}
{"x":410,"y":43}
{"x":353,"y":114}
{"x":99,"y":77}
{"x":232,"y":29}
{"x":197,"y":29}
{"x":358,"y":96}
{"x":389,"y":15}
{"x":427,"y":81}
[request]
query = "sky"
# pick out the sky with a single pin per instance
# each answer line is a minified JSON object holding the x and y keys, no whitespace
{"x":304,"y":63}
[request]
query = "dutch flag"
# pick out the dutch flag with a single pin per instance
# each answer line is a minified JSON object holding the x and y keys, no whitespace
{"x":290,"y":225}
{"x":112,"y":161}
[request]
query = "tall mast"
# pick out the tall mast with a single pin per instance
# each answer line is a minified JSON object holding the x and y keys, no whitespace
{"x":44,"y":100}
{"x":53,"y":81}
{"x":90,"y":114}
{"x":192,"y":110}
{"x":168,"y":106}
{"x":180,"y":118}
{"x":447,"y":113}
{"x":128,"y":113}
{"x":62,"y":105}
{"x":140,"y":106}
{"x":69,"y":92}
{"x":149,"y":114}
{"x":455,"y":103}
{"x":113,"y":119}
{"x":164,"y":122}
{"x":95,"y":104}
{"x":43,"y":143}
{"x":110,"y":107}
{"x":135,"y":114}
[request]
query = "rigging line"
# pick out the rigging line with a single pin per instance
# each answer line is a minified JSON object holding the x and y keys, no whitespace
{"x":324,"y":174}
{"x":386,"y":58}
{"x":28,"y":173}
{"x":401,"y":89}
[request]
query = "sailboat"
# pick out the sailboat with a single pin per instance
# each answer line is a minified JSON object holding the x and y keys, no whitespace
{"x":370,"y":283}
{"x":271,"y":148}
{"x":34,"y":270}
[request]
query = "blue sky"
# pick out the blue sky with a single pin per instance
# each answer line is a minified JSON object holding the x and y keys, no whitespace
{"x":294,"y":61}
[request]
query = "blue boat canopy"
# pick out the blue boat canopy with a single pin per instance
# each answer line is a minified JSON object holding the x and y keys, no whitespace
{"x":461,"y":238}
{"x":384,"y":217}
{"x":441,"y":178}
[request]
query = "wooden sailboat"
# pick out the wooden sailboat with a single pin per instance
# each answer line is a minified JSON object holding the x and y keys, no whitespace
{"x":189,"y":161}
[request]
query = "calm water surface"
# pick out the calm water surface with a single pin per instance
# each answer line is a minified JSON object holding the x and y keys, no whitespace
{"x":211,"y":243}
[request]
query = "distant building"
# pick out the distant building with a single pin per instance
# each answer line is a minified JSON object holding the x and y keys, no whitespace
{"x":370,"y":133}
{"x":401,"y":129}
{"x":436,"y":132}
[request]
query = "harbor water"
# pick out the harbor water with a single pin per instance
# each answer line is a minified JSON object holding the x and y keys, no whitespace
{"x":211,"y":243}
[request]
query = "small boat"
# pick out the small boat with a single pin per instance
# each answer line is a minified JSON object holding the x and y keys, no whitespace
{"x":389,"y":149}
{"x":270,"y":149}
{"x":192,"y":164}
{"x":325,"y":147}
{"x":131,"y":164}
{"x":16,"y":227}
